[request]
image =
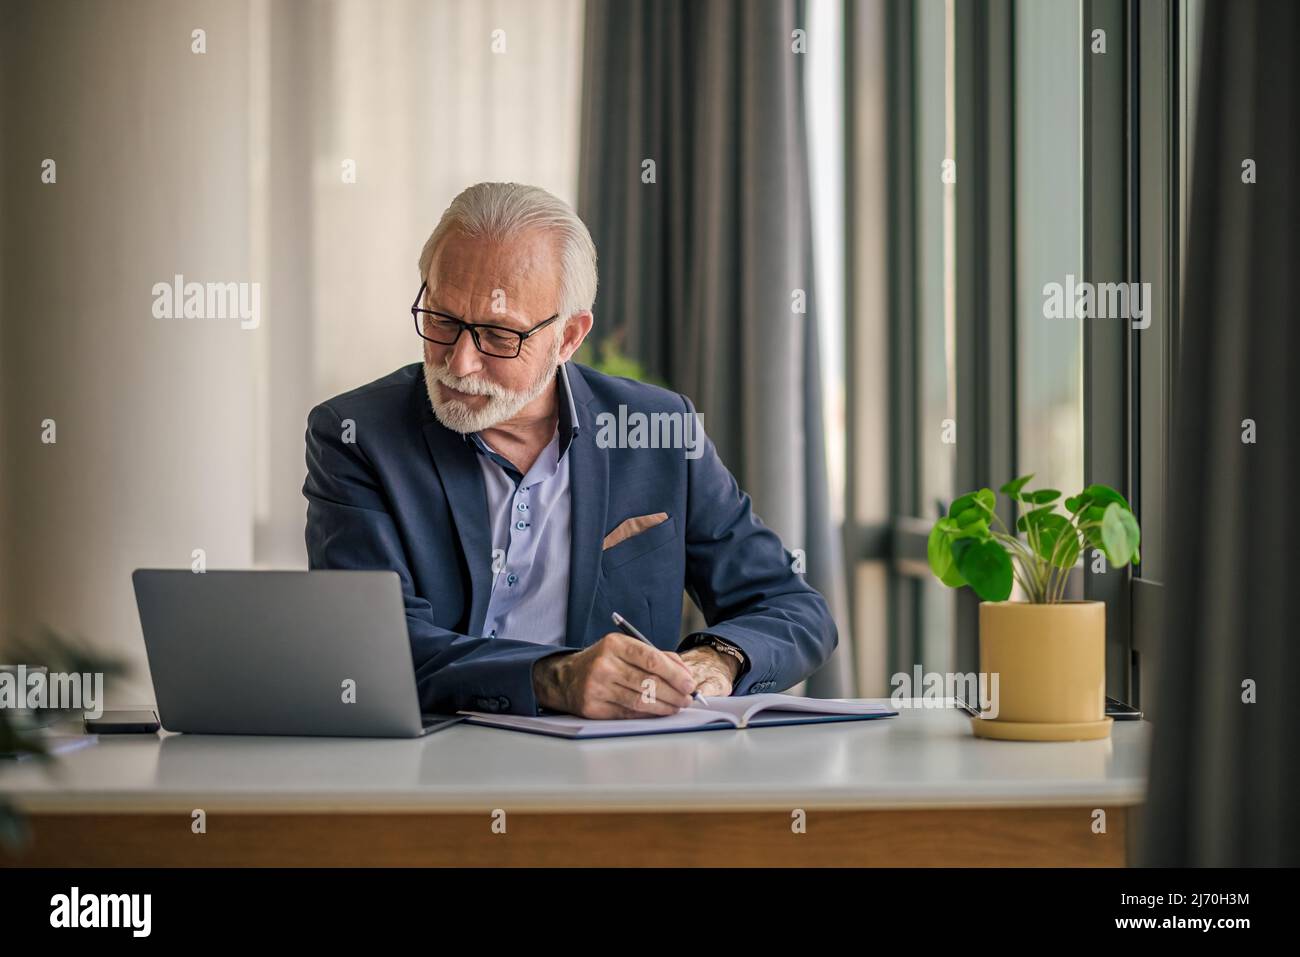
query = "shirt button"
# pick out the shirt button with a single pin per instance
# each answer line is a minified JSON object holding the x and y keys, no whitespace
{"x":511,"y":578}
{"x":522,"y":506}
{"x":521,"y":525}
{"x":492,"y":633}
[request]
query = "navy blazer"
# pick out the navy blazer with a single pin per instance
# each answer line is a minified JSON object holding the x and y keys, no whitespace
{"x":407,"y":494}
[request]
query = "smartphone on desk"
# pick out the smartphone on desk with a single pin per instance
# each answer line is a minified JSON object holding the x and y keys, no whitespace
{"x":123,"y":722}
{"x":1120,"y":711}
{"x":1115,"y":709}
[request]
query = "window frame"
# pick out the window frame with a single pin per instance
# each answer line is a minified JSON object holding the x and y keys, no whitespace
{"x":1132,"y":120}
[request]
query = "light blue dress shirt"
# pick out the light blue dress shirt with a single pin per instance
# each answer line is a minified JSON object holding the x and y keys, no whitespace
{"x":531,"y":535}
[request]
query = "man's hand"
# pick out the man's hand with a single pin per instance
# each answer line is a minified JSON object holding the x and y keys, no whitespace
{"x":617,"y":677}
{"x":713,"y":671}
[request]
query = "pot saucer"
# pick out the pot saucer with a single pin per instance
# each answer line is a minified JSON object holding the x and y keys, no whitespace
{"x":1041,"y":731}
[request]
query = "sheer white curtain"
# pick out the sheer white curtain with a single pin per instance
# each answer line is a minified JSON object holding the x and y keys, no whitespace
{"x":425,"y":99}
{"x":226,"y":166}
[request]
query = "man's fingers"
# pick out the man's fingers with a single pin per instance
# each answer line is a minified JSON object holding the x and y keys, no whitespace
{"x":633,"y":691}
{"x":670,"y":688}
{"x":616,"y":668}
{"x":657,"y":663}
{"x":640,"y":683}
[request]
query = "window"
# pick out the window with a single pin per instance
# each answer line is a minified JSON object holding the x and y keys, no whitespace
{"x":1071,"y":160}
{"x":934,"y":327}
{"x":1048,"y":241}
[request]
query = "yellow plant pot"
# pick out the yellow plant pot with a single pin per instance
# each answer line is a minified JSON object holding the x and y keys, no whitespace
{"x":1050,"y":663}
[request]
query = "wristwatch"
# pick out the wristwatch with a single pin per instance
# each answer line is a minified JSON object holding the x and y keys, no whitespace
{"x":700,"y":638}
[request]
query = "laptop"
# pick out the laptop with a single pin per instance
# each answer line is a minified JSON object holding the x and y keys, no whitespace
{"x":281,"y":652}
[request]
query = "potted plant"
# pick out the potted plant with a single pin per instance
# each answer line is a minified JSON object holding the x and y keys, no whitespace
{"x":1049,"y":654}
{"x":20,"y":730}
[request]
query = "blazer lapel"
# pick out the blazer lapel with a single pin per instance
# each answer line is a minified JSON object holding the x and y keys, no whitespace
{"x":588,"y":498}
{"x":457,"y":466}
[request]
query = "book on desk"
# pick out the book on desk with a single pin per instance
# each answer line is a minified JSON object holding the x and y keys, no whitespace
{"x":716,"y":714}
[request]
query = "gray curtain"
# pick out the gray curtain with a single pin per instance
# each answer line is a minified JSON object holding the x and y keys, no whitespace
{"x":699,"y":268}
{"x":1225,"y":783}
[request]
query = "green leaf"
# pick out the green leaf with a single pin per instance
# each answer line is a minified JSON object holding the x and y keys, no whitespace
{"x":1051,"y":530}
{"x":938,"y":550}
{"x":1032,"y":517}
{"x":1119,"y":534}
{"x":1012,"y":488}
{"x":973,"y":523}
{"x":960,"y":504}
{"x":1104,"y":494}
{"x":15,"y":831}
{"x":605,"y":357}
{"x":985,"y":566}
{"x":983,"y":499}
{"x":953,"y":579}
{"x":1042,"y":496}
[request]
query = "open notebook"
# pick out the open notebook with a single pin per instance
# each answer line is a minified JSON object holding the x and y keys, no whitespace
{"x":745,"y":711}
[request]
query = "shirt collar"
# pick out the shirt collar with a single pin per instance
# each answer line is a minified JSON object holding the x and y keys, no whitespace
{"x":568,"y":424}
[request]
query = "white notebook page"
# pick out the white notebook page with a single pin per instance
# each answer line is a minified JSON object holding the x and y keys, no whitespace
{"x":741,"y":708}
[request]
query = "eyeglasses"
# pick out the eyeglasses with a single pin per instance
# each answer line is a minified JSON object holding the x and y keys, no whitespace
{"x":500,"y":342}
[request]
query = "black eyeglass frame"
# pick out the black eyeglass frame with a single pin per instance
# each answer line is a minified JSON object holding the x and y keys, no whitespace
{"x":473,"y":328}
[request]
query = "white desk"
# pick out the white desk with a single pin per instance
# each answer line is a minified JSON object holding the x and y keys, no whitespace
{"x":915,"y":789}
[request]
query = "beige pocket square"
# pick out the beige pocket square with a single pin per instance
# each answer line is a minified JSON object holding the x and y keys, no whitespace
{"x":633,"y":526}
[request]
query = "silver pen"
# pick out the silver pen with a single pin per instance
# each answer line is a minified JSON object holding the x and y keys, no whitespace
{"x":625,"y":626}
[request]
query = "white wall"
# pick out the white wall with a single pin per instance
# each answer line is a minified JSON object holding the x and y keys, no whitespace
{"x":152,"y":457}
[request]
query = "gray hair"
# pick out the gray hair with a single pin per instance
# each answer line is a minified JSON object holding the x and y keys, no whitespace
{"x":499,"y":211}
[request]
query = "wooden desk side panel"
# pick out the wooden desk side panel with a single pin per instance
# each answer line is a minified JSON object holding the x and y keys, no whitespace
{"x":886,"y":838}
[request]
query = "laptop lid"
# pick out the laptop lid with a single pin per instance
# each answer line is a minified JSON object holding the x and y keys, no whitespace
{"x":279,"y":652}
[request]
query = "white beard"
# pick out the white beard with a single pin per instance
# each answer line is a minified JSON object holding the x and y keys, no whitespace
{"x":502,"y":403}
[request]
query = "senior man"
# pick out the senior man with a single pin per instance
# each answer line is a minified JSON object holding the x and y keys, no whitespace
{"x":497,"y":479}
